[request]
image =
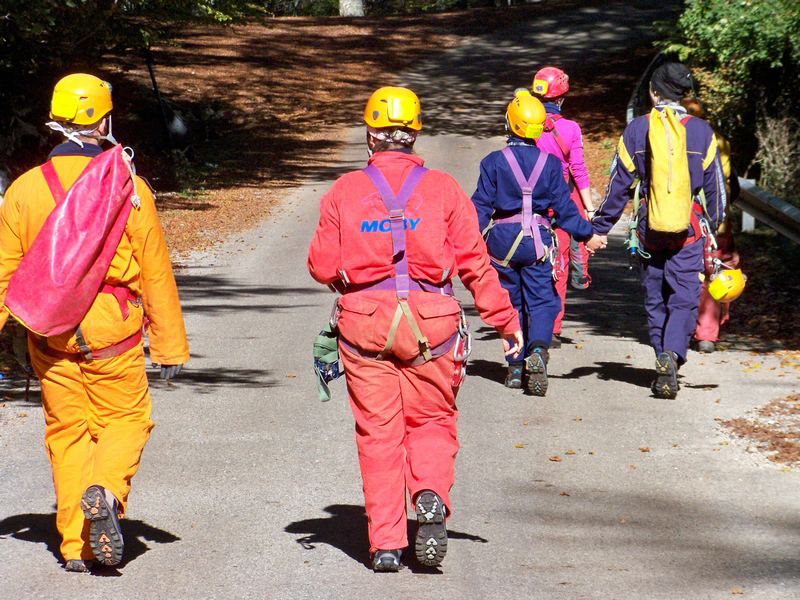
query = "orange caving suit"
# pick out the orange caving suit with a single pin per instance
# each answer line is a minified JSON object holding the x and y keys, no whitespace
{"x":405,"y":415}
{"x":97,"y":413}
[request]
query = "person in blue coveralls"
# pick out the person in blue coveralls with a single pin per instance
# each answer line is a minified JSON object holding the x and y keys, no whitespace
{"x":670,"y":263}
{"x":518,"y":190}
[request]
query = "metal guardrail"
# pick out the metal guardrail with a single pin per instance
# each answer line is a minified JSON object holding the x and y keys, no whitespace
{"x":773,"y":212}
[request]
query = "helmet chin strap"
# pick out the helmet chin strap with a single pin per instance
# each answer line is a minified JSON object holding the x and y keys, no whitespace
{"x":110,"y":135}
{"x":75,"y":135}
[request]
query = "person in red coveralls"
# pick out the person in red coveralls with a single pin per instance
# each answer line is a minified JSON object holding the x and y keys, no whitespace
{"x":391,"y":237}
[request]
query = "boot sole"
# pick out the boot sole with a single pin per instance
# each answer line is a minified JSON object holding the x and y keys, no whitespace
{"x":431,"y":542}
{"x":105,"y":535}
{"x":537,"y":377}
{"x":666,"y":384}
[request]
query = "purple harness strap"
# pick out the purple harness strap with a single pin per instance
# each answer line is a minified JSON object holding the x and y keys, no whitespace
{"x":436,"y":351}
{"x":396,"y":206}
{"x":445,"y":288}
{"x":530,"y":222}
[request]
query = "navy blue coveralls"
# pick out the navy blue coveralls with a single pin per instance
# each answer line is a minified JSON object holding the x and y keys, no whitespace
{"x":671,"y":276}
{"x":529,"y":281}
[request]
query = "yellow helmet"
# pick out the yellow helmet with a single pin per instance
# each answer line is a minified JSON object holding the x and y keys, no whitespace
{"x":81,"y":99}
{"x":727,"y":285}
{"x":525,"y":115}
{"x":393,"y":107}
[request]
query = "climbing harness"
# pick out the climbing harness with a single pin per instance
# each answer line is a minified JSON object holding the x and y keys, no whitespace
{"x":401,"y":282}
{"x":326,"y":355}
{"x":530,"y":222}
{"x":700,"y":222}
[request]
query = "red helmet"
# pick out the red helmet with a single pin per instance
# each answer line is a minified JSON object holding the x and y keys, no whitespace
{"x":550,"y":82}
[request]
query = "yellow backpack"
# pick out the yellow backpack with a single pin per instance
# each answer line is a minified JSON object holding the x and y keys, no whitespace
{"x":669,"y":202}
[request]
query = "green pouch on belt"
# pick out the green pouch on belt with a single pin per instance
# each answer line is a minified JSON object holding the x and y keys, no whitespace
{"x":326,"y":360}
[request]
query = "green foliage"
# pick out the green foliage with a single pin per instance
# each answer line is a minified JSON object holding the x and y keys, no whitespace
{"x":745,"y":55}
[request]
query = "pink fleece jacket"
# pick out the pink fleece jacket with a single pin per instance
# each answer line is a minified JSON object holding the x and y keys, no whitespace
{"x":570,"y":132}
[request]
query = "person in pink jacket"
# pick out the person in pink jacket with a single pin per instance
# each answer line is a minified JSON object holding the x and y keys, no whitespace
{"x":562,"y":138}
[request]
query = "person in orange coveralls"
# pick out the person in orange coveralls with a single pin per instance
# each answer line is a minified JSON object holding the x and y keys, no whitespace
{"x":97,"y":411}
{"x":391,"y":237}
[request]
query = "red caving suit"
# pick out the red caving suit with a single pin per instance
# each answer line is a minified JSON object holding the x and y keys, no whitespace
{"x":405,"y":415}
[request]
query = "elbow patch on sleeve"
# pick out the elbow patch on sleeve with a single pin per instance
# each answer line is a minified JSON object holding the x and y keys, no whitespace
{"x":624,"y":156}
{"x":710,"y":153}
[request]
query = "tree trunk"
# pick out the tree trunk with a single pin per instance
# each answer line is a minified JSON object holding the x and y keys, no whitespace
{"x":351,"y":8}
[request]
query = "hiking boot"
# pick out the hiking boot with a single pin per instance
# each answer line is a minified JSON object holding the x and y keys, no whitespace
{"x":431,"y":543}
{"x":536,"y":367}
{"x":666,"y":383}
{"x":514,"y":376}
{"x":386,"y":561}
{"x":556,"y":341}
{"x":78,"y":566}
{"x":105,"y":534}
{"x":706,"y":346}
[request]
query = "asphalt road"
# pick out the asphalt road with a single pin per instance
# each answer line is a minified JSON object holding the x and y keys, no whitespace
{"x":249,"y":487}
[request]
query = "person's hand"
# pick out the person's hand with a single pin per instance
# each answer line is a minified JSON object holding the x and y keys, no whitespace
{"x":169,"y":371}
{"x":516,"y":337}
{"x":596,"y":242}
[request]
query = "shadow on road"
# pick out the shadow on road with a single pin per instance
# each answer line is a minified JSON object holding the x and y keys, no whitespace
{"x":41,"y":529}
{"x":677,"y":528}
{"x":346,"y":529}
{"x":465,"y":90}
{"x":213,"y":294}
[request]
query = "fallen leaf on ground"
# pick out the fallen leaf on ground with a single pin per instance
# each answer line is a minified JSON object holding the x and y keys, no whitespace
{"x":579,"y":346}
{"x":623,"y":521}
{"x":644,"y":449}
{"x":564,"y":494}
{"x":290,"y":376}
{"x":519,"y":445}
{"x":555,"y":458}
{"x":633,"y":466}
{"x":570,"y":452}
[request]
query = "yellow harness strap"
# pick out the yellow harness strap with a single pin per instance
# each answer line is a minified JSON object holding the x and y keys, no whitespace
{"x":514,"y":247}
{"x":403,"y":310}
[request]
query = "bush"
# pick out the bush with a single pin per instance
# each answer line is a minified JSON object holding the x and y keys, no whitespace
{"x":745,"y":55}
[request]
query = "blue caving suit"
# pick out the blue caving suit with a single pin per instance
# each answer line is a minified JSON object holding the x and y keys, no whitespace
{"x":670,"y":277}
{"x":529,"y":282}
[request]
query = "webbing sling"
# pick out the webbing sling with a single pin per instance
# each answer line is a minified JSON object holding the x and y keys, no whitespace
{"x":530,"y":222}
{"x":550,"y":126}
{"x":396,"y":206}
